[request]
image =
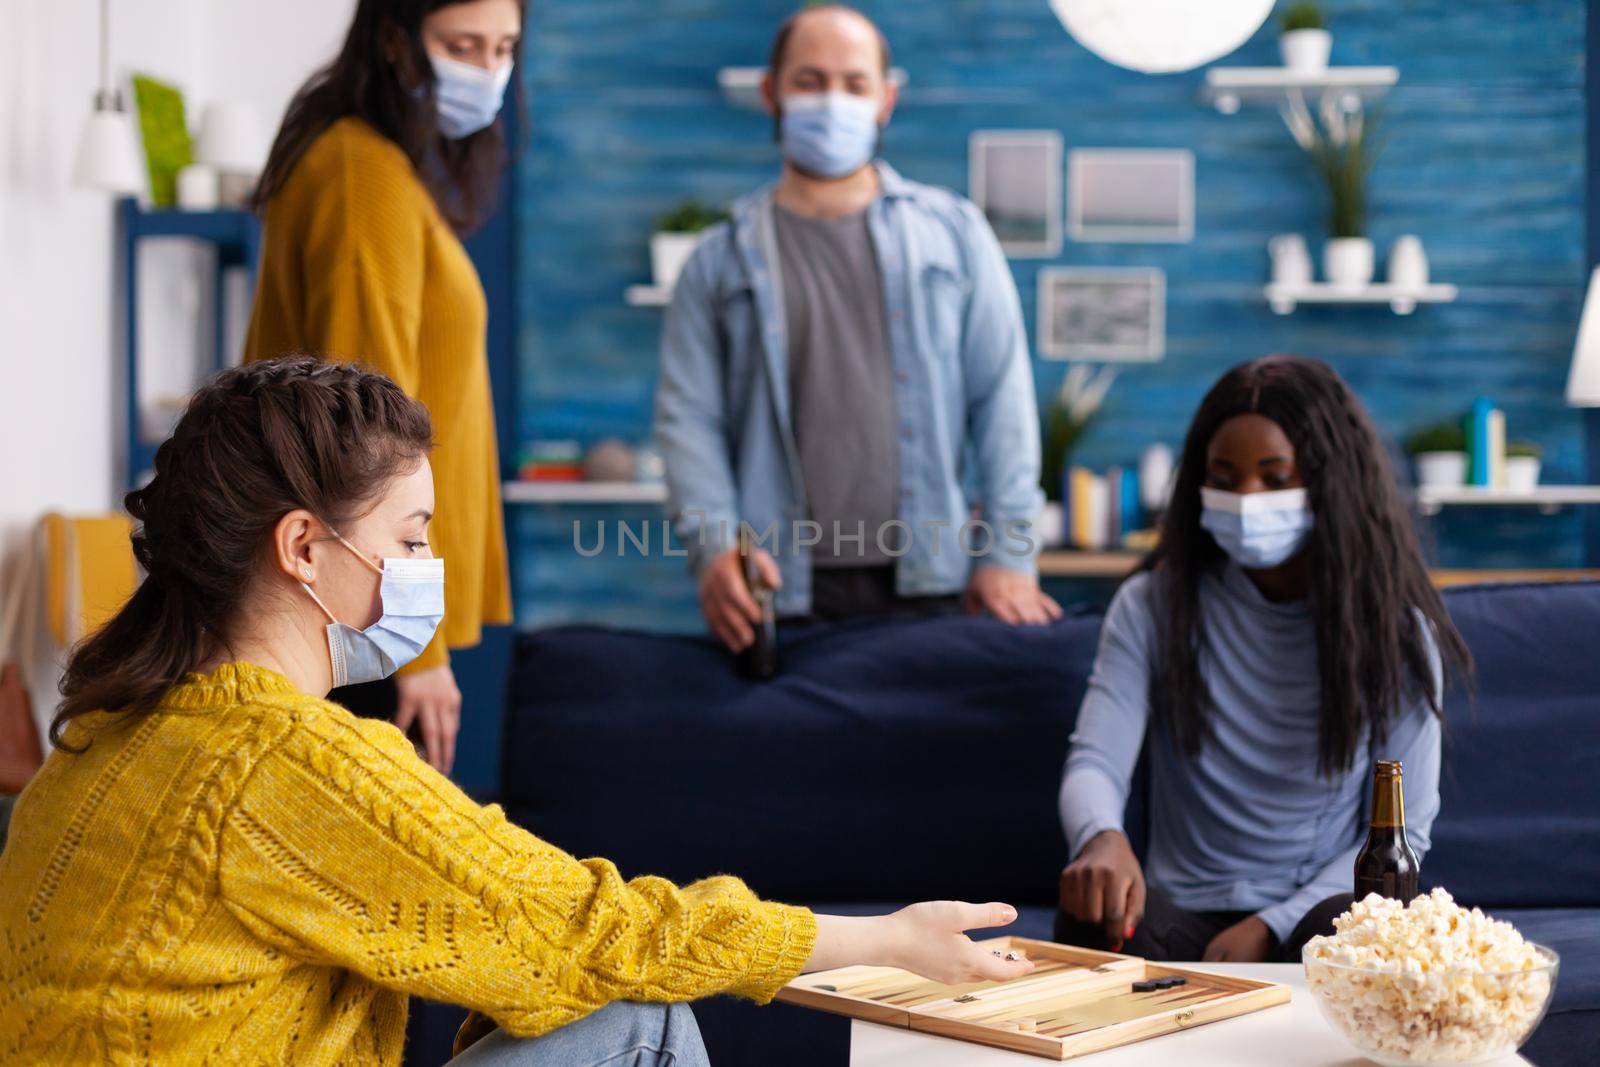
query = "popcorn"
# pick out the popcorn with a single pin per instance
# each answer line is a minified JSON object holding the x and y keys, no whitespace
{"x":1436,"y":983}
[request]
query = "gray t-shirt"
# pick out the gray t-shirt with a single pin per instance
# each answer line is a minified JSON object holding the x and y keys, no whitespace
{"x":841,"y":383}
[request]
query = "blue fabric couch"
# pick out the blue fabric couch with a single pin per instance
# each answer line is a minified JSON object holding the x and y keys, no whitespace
{"x":898,"y":761}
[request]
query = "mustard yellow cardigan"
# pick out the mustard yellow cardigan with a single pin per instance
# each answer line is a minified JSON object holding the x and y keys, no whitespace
{"x":357,"y":264}
{"x":253,"y":874}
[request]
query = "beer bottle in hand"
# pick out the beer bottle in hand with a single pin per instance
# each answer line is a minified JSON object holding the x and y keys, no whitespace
{"x":760,"y":660}
{"x":1386,"y":864}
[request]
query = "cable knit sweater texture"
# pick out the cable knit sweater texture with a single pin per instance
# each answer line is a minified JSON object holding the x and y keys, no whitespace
{"x":251,"y":874}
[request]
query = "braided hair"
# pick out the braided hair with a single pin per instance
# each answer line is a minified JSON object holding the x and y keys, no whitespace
{"x":254,"y":444}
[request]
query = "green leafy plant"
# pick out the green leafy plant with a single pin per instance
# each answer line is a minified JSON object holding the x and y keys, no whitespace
{"x":1441,"y":437}
{"x":1082,"y":393}
{"x":167,"y":148}
{"x":1340,"y":145}
{"x":689,"y":217}
{"x":1524,"y":449}
{"x":1303,"y":16}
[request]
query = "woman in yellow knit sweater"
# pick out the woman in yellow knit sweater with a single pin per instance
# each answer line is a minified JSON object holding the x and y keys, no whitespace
{"x":384,"y":157}
{"x":217,"y":864}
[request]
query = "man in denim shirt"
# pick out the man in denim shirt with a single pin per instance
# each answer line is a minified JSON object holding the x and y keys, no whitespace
{"x":838,"y":360}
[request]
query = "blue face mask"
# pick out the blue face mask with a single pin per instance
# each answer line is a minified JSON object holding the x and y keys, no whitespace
{"x":469,"y":97}
{"x":1258,"y":530}
{"x":828,"y":135}
{"x":412,"y":594}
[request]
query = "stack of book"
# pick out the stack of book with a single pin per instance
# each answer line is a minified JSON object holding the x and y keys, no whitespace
{"x":1486,"y":445}
{"x":1100,"y":510}
{"x":551,"y":461}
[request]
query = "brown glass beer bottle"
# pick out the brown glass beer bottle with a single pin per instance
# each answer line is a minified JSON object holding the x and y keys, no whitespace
{"x":760,"y":660}
{"x":1386,"y":865}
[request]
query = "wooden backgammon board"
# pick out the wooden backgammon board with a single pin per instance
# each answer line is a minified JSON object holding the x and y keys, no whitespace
{"x":1074,"y":1002}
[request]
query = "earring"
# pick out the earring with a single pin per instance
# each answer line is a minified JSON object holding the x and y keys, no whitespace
{"x":305,"y":572}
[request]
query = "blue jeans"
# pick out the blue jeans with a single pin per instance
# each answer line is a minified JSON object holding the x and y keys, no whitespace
{"x":621,"y":1034}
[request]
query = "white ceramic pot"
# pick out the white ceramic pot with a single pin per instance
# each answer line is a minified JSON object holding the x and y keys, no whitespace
{"x":1408,"y":263}
{"x":1347,"y":262}
{"x":668,"y":253}
{"x":1306,"y":51}
{"x":1050,"y":527}
{"x":1522,"y":474}
{"x":198,"y":188}
{"x":1441,"y":470}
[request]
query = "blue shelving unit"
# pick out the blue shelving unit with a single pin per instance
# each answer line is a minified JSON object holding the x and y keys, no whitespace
{"x":236,"y":235}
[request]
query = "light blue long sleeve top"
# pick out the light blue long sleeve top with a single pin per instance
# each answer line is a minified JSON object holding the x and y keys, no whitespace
{"x":963,"y":393}
{"x":1249,"y":824}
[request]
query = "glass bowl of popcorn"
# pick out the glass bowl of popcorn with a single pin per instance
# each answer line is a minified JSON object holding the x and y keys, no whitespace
{"x":1429,"y":982}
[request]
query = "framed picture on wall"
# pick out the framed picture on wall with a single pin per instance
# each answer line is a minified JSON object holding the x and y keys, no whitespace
{"x":1130,"y":194}
{"x":1109,"y":314}
{"x":1014,"y":176}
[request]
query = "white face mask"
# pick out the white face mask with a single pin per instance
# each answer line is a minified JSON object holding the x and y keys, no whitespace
{"x":828,"y":135}
{"x":412,"y":595}
{"x":468,"y":97}
{"x":1259,"y":530}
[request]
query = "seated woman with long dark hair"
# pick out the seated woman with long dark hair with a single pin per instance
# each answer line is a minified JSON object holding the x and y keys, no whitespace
{"x":217,"y":864}
{"x":1282,"y":636}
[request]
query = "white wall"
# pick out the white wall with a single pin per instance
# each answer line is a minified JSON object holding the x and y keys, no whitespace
{"x":59,"y":421}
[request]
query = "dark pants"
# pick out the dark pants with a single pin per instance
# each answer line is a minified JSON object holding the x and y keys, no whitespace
{"x":857,"y":592}
{"x":1170,"y":933}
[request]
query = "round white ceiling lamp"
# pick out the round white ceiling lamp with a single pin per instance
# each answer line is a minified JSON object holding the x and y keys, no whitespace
{"x":1161,"y":36}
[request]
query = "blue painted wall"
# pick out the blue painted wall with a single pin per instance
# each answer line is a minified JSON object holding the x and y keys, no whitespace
{"x":1485,"y":161}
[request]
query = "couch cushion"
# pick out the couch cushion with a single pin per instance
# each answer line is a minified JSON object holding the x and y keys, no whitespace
{"x":888,"y":759}
{"x":1519,"y":821}
{"x":896,"y":760}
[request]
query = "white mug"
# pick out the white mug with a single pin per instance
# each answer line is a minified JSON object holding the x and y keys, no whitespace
{"x":1291,"y":261}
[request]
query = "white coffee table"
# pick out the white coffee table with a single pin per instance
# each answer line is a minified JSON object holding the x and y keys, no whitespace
{"x":1289,"y":1035}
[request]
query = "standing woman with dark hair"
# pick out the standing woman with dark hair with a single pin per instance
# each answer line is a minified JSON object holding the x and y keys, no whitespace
{"x":1282,"y":636}
{"x":218,"y":865}
{"x":384,"y":159}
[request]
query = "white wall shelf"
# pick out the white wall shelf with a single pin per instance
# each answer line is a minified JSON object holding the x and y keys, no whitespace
{"x":519,"y":492}
{"x":1402,"y":299}
{"x":741,"y":86}
{"x":648,"y":296}
{"x":1226,"y":88}
{"x":1547,"y":498}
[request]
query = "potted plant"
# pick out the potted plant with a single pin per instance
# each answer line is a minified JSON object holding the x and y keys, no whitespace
{"x":1082,"y":392}
{"x":1440,"y":455}
{"x":1306,"y":42}
{"x":1339,"y":143}
{"x":1522,"y":466}
{"x":676,"y":234}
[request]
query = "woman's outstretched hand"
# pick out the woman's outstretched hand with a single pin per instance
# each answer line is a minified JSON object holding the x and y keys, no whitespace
{"x":927,"y":939}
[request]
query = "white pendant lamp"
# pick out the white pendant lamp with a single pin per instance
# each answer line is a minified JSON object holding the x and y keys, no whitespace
{"x":1161,"y":36}
{"x":1583,"y":381}
{"x":230,"y":139}
{"x":230,"y":143}
{"x":108,"y":157}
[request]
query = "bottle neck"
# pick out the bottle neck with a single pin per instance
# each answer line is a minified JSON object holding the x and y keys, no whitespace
{"x":1388,"y":801}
